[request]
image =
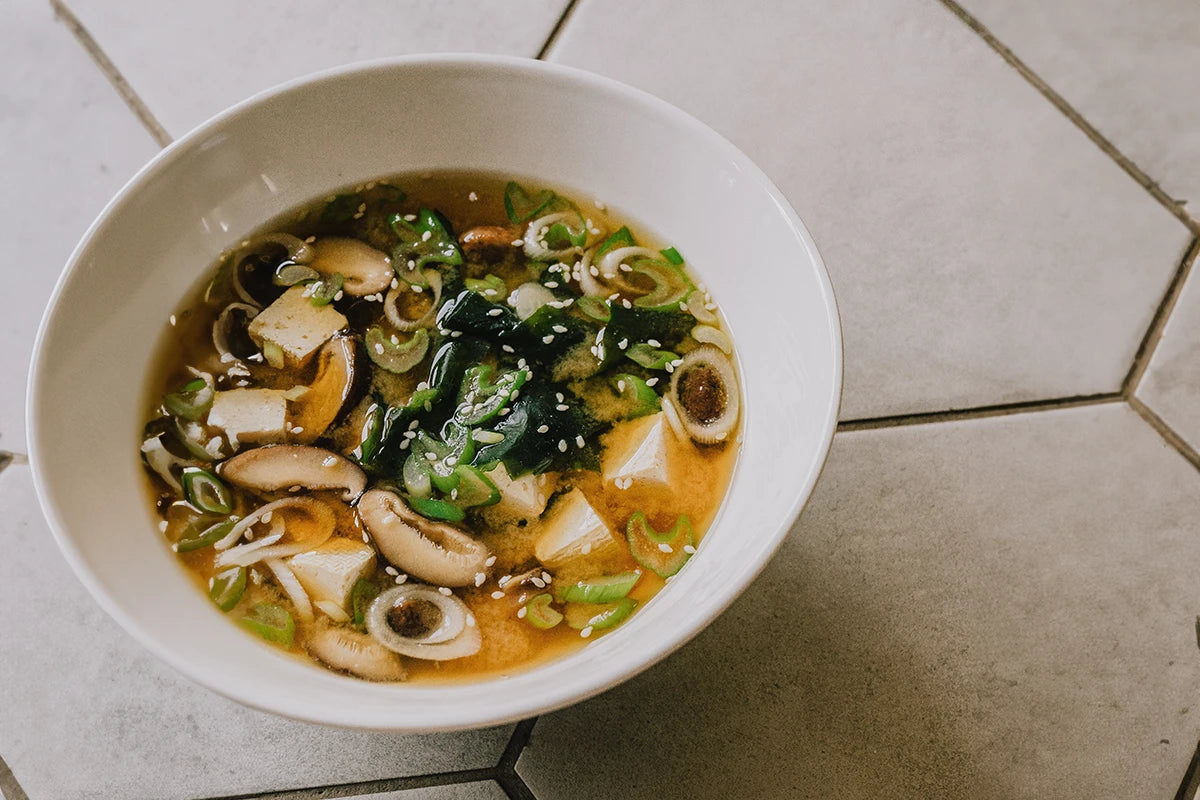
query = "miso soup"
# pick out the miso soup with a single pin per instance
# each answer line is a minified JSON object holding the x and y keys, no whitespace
{"x":441,"y":427}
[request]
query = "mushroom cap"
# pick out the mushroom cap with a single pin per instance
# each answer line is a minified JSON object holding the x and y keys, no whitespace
{"x":357,"y":653}
{"x":704,"y":391}
{"x":364,"y":269}
{"x":432,"y":551}
{"x":281,"y":466}
{"x":455,"y":635}
{"x":337,"y":385}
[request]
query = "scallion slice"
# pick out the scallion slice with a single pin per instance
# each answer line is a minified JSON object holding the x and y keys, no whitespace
{"x":207,"y":537}
{"x":325,"y":291}
{"x":605,"y":589}
{"x":519,"y":206}
{"x":361,"y":595}
{"x":664,"y":553}
{"x":670,"y":285}
{"x":480,"y":399}
{"x":398,"y":357}
{"x":490,"y":286}
{"x":290,"y":273}
{"x":594,"y":307}
{"x":431,"y":508}
{"x":272,"y":622}
{"x":425,"y":241}
{"x":598,"y":616}
{"x":474,"y":488}
{"x":227,"y":587}
{"x":540,"y":614}
{"x":192,"y":401}
{"x":672,"y":255}
{"x":205,"y":491}
{"x":650,"y":357}
{"x":620,"y":238}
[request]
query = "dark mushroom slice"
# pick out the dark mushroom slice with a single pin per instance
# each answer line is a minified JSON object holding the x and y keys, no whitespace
{"x":230,"y":334}
{"x":422,"y":622}
{"x":357,"y":653}
{"x":704,"y":391}
{"x":489,"y":242}
{"x":339,"y":383}
{"x":273,"y":468}
{"x":432,"y":551}
{"x":258,"y":260}
{"x":364,"y":270}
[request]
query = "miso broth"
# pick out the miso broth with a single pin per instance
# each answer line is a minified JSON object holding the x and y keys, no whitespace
{"x":441,"y":427}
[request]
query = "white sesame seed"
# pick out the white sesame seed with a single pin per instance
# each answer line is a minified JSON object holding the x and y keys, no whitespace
{"x":426,"y":236}
{"x":543,"y":428}
{"x":379,"y":348}
{"x":654,"y":342}
{"x":669,"y":367}
{"x":480,"y":577}
{"x":548,"y":338}
{"x":579,"y":441}
{"x":559,"y":328}
{"x":391,"y":571}
{"x":431,"y":456}
{"x":340,"y":294}
{"x":586,"y":632}
{"x":470,"y":620}
{"x":490,"y":561}
{"x":445,"y":590}
{"x":553,"y":285}
{"x":162,"y":526}
{"x":404,"y":444}
{"x":562,"y":445}
{"x":366,"y":538}
{"x":651,"y":381}
{"x":395,"y":283}
{"x":520,"y":363}
{"x":455,"y":334}
{"x":546,"y":577}
{"x":495,"y":312}
{"x":666,"y":548}
{"x":472,"y":197}
{"x":171,"y":319}
{"x":401,"y":578}
{"x":587,"y":548}
{"x":506,"y":348}
{"x":517,"y":242}
{"x":297,"y":429}
{"x":561,"y":407}
{"x":687,"y":548}
{"x":621,"y":345}
{"x":412,"y":264}
{"x":497,"y":595}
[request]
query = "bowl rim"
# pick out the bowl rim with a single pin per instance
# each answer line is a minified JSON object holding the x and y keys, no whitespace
{"x":528,"y":66}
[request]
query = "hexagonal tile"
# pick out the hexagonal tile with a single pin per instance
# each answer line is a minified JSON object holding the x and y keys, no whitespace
{"x":994,"y":608}
{"x":983,"y":249}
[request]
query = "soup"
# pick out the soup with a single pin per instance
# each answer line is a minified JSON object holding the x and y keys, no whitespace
{"x":441,"y":427}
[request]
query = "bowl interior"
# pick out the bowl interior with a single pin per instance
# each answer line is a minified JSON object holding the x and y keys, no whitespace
{"x":649,"y":161}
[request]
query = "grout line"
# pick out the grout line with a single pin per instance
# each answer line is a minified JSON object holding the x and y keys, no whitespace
{"x":506,"y":771}
{"x":139,"y":108}
{"x":1169,"y":436}
{"x":978,"y":412}
{"x":9,"y":788}
{"x":1191,"y":779}
{"x":370,"y":787}
{"x":1059,"y":102}
{"x":1158,"y":324}
{"x":556,"y":30}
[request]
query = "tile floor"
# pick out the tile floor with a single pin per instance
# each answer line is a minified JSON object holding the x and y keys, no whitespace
{"x":991,"y":593}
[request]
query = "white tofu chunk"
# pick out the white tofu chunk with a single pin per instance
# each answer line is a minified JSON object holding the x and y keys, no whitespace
{"x":572,"y":529}
{"x":520,"y":498}
{"x":250,"y":415}
{"x":296,"y":326}
{"x":638,"y":453}
{"x":329,"y":572}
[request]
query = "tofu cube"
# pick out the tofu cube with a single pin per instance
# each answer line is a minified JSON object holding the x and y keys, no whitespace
{"x":329,"y":572}
{"x":638,"y":453}
{"x":520,"y":498}
{"x":296,"y":326}
{"x":572,"y":529}
{"x":250,"y":415}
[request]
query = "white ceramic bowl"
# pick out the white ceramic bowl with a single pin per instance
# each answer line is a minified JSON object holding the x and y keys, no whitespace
{"x":646,"y":159}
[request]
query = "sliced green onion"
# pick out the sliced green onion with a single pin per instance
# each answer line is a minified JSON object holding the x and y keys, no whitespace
{"x":487,"y":437}
{"x":560,"y":236}
{"x":594,"y":307}
{"x":192,"y":401}
{"x":361,"y":595}
{"x":436,"y":509}
{"x":417,"y":475}
{"x":190,"y":435}
{"x":480,"y":400}
{"x":621,"y":238}
{"x":474,"y":488}
{"x":649,"y":357}
{"x":272,"y":622}
{"x":425,"y":241}
{"x":672,"y":255}
{"x":325,"y":291}
{"x":540,"y":614}
{"x":227,"y":587}
{"x":490,"y":286}
{"x":598,"y":616}
{"x":671,"y":286}
{"x":205,"y":491}
{"x":664,"y":553}
{"x":371,"y":436}
{"x":290,"y":273}
{"x":638,"y":398}
{"x":605,"y":589}
{"x":341,"y":209}
{"x":273,"y":354}
{"x":205,"y":538}
{"x":396,"y":357}
{"x":519,"y":206}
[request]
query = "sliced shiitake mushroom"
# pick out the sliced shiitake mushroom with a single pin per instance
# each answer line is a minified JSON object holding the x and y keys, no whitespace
{"x":421,"y":622}
{"x":705,"y":392}
{"x":229,"y":332}
{"x":488,"y":242}
{"x":432,"y":551}
{"x":357,"y":653}
{"x":296,"y":524}
{"x":272,"y":468}
{"x":364,"y":269}
{"x":339,"y":382}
